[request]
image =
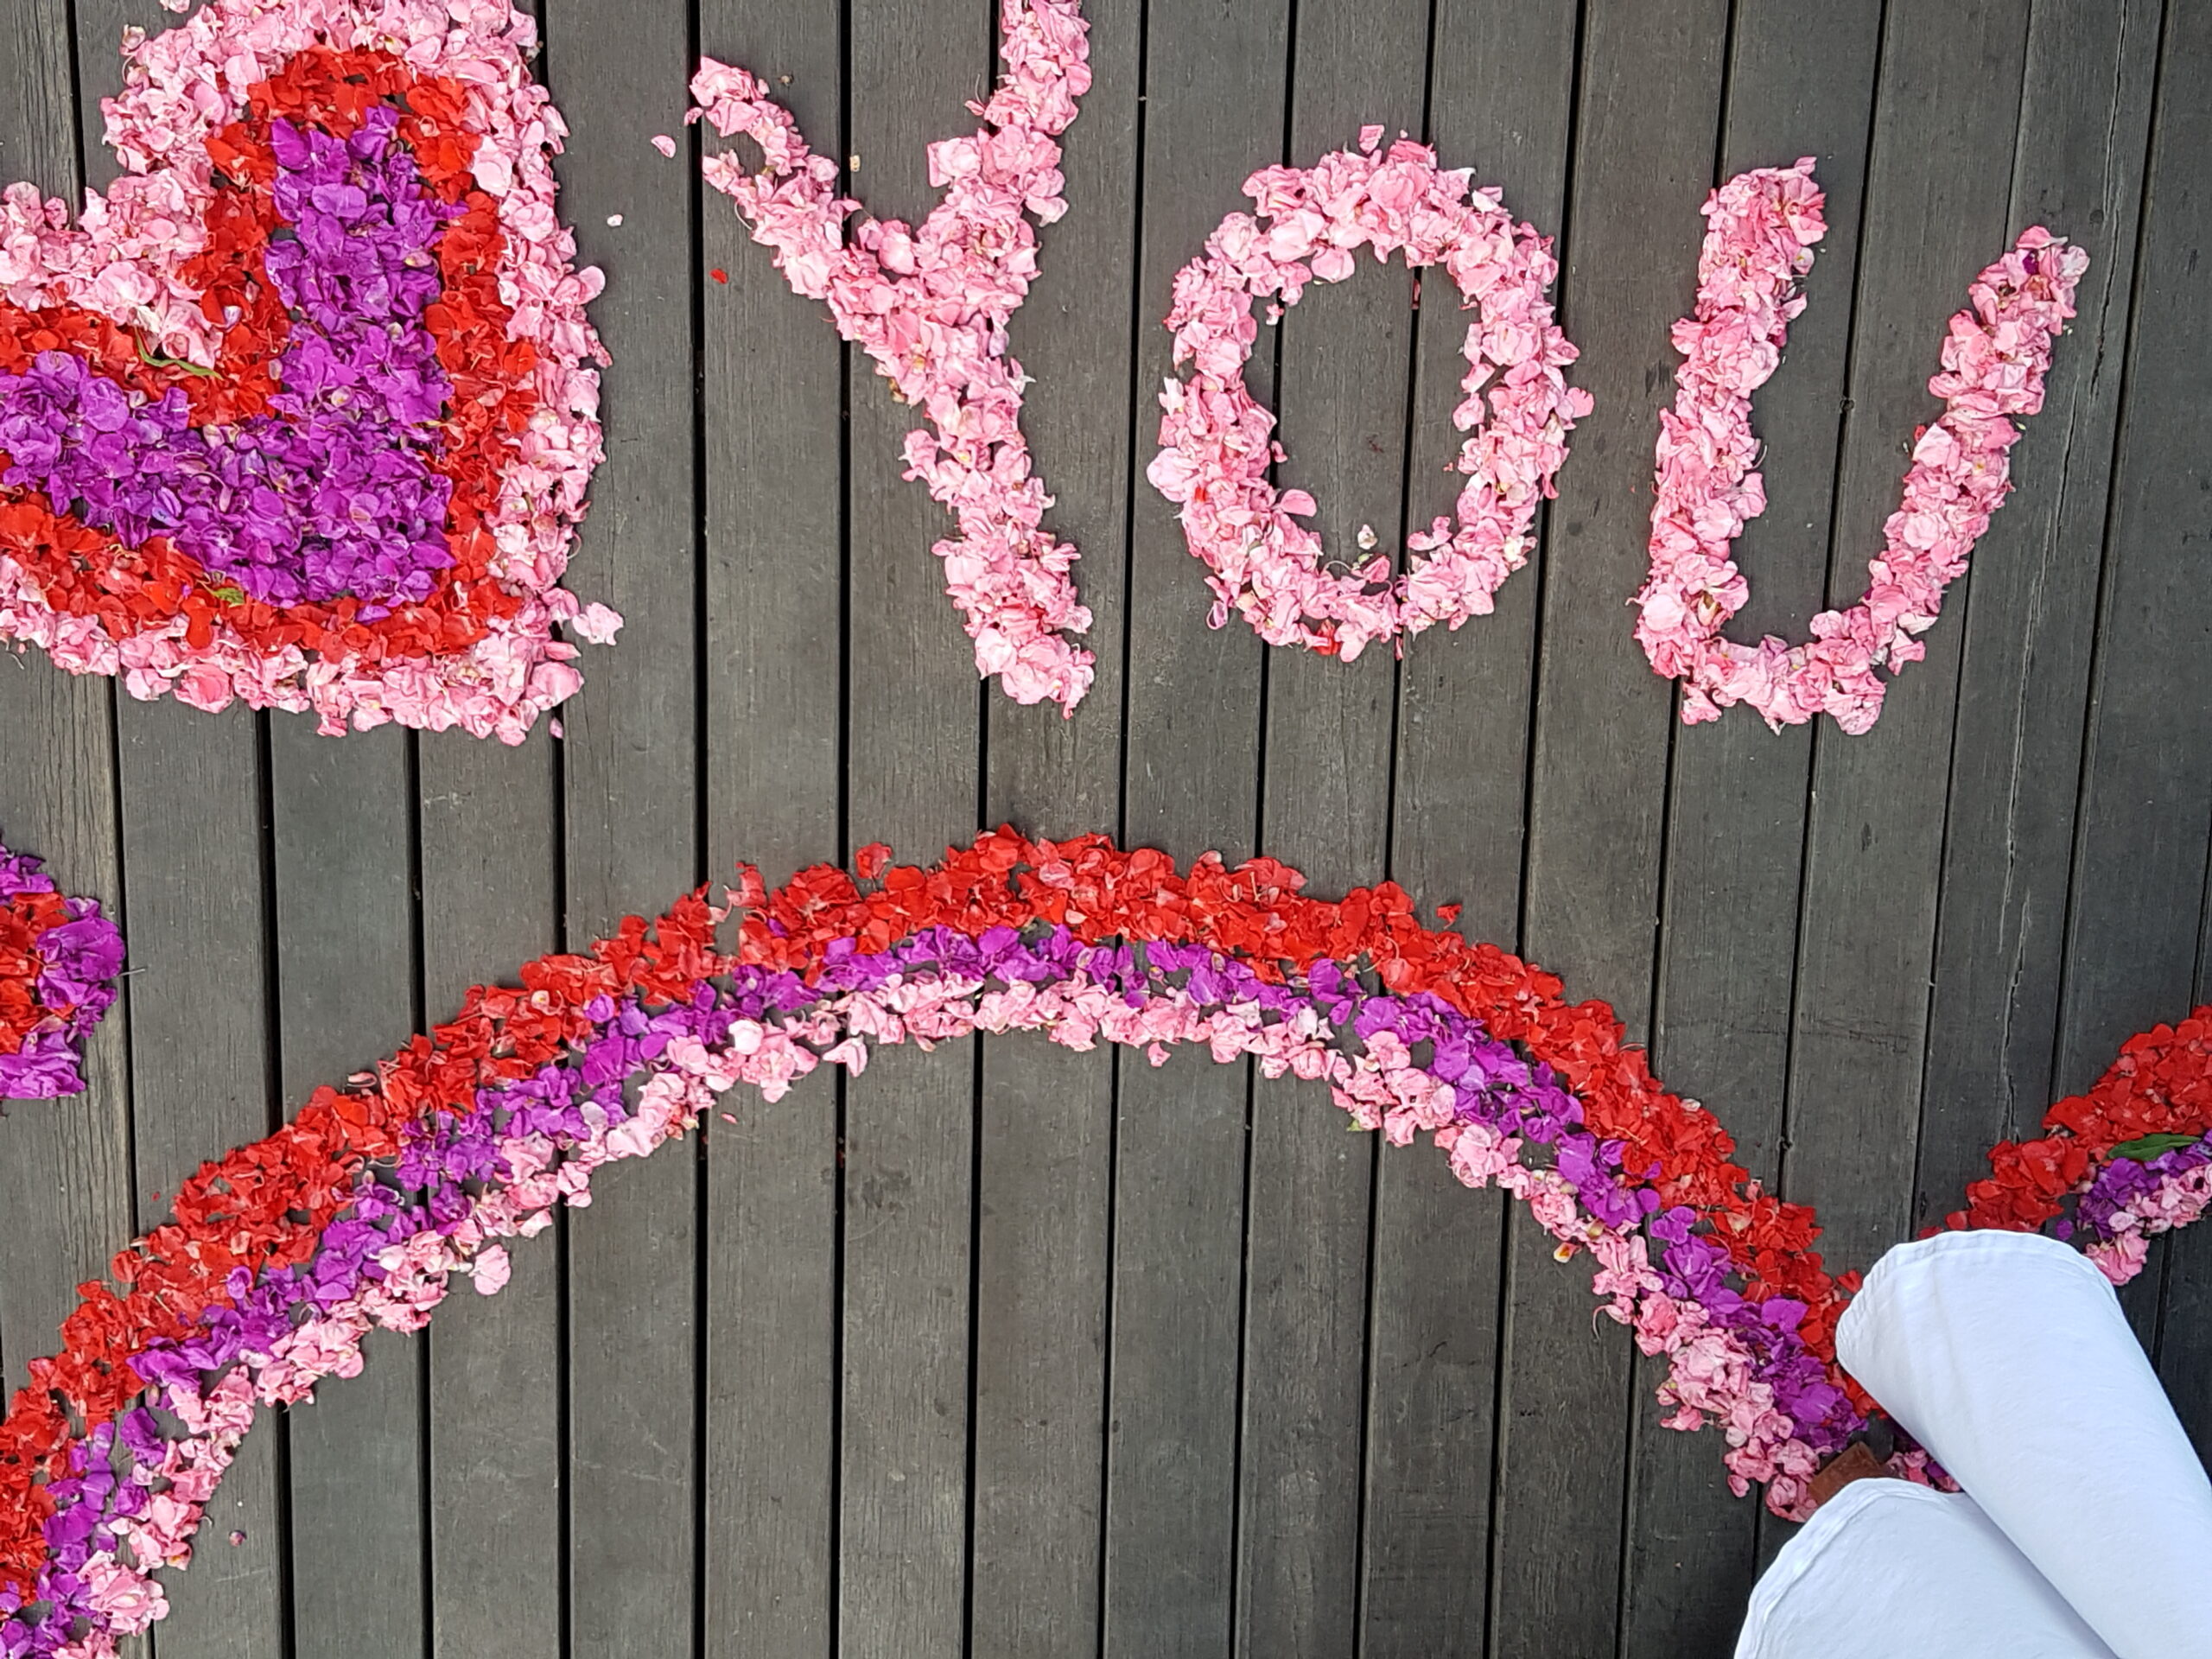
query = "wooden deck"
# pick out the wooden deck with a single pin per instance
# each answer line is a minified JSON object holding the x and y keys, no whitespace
{"x":1025,"y":1353}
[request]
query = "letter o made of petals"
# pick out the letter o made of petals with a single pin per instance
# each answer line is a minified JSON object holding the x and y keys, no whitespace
{"x":1758,"y":246}
{"x":1215,"y":438}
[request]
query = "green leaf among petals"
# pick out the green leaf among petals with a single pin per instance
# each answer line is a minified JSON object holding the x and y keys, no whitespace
{"x":2145,"y":1147}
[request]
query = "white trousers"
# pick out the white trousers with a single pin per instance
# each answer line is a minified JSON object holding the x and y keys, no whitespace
{"x":2085,"y":1528}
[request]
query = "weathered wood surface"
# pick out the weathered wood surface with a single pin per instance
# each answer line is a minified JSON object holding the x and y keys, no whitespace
{"x":1011,"y":1351}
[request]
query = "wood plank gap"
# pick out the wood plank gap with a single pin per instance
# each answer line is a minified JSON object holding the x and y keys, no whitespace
{"x":281,"y":1424}
{"x":1238,"y":1518}
{"x":974,"y":1311}
{"x":690,"y":147}
{"x":849,"y":367}
{"x":1563,"y":248}
{"x":424,"y":1536}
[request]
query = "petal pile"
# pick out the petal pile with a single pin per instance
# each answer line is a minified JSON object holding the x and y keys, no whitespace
{"x":60,"y":958}
{"x":1761,"y":228}
{"x":361,"y":1212}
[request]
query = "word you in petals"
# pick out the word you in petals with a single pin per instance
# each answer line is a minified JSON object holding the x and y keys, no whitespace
{"x":932,"y":306}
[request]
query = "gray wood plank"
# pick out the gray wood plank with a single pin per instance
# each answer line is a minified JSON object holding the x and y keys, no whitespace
{"x":630,"y":794}
{"x":773,"y":492}
{"x":1044,"y":1189}
{"x":1874,"y":848}
{"x":2185,"y":1338}
{"x":342,"y":816}
{"x":903,"y":1451}
{"x":2031,"y":615}
{"x":38,"y":109}
{"x":2132,"y":943}
{"x":909,"y":1189}
{"x":203,"y":1083}
{"x":203,"y":1071}
{"x":1502,"y":90}
{"x":65,"y":1165}
{"x":2132,"y":947}
{"x":772,"y":1378}
{"x":1647,"y":116}
{"x":1079,"y":338}
{"x":1800,"y":82}
{"x":67,"y":1180}
{"x":489,"y":818}
{"x":2204,"y":938}
{"x":1308,"y":1201}
{"x":1179,"y":1210}
{"x":66,"y":1173}
{"x":1041,"y":1256}
{"x":1344,"y":357}
{"x":1215,"y":85}
{"x":2184,"y":1353}
{"x":771,"y":1388}
{"x":913,"y":739}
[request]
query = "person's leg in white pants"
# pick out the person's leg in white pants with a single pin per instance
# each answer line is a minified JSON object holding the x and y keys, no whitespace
{"x":2007,"y":1356}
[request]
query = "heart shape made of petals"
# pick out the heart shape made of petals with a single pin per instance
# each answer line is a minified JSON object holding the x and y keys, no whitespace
{"x":301,"y":411}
